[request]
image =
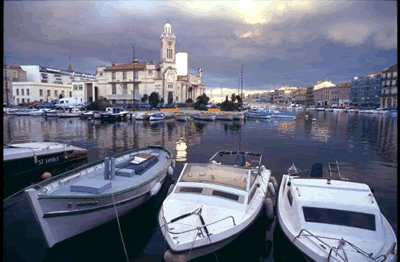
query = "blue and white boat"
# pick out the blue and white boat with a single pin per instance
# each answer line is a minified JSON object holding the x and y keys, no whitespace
{"x":258,"y":113}
{"x":280,"y":114}
{"x":157,"y":117}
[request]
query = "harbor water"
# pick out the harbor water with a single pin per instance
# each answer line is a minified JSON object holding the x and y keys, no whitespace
{"x":364,"y":145}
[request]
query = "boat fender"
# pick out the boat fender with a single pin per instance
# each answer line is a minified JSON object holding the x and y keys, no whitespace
{"x":173,"y":164}
{"x":170,"y":171}
{"x":156,"y":188}
{"x":171,"y":187}
{"x":271,"y":189}
{"x":269,"y":208}
{"x":46,"y":175}
{"x":169,"y":257}
{"x":273,"y":180}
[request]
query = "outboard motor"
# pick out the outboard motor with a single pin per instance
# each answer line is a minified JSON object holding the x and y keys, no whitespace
{"x":316,"y":170}
{"x":240,"y":160}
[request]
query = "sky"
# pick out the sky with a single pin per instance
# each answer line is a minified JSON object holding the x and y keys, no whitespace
{"x":293,"y":43}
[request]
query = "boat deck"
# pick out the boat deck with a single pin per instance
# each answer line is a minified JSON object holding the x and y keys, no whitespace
{"x":93,"y":177}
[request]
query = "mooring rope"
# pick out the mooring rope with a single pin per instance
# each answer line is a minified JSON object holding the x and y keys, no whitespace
{"x":119,"y":227}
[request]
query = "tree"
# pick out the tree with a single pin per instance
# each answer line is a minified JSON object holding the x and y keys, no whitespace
{"x":154,"y":99}
{"x":233,"y":98}
{"x":239,"y":99}
{"x":144,"y":98}
{"x":201,"y":102}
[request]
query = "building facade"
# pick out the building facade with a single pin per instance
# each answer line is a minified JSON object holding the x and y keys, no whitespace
{"x":11,"y":75}
{"x":322,"y":92}
{"x":137,"y":80}
{"x":344,"y":94}
{"x":389,"y":87}
{"x":28,"y":92}
{"x":300,"y":95}
{"x":365,"y":90}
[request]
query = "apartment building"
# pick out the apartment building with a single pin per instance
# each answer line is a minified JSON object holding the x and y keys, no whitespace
{"x":11,"y":75}
{"x":365,"y":90}
{"x":389,"y":87}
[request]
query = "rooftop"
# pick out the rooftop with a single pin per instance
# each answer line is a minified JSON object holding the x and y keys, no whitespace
{"x":135,"y":65}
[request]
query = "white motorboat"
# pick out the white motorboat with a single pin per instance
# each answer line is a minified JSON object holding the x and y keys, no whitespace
{"x":332,"y":218}
{"x":142,"y":116}
{"x":89,"y":196}
{"x":211,"y":204}
{"x":258,"y":113}
{"x":39,"y":112}
{"x":87,"y":114}
{"x":157,"y":116}
{"x":114,"y":114}
{"x":238,"y":116}
{"x":24,"y":157}
{"x":204,"y":116}
{"x":224,"y":117}
{"x":53,"y":113}
{"x":25,"y":112}
{"x":70,"y":112}
{"x":182,"y":117}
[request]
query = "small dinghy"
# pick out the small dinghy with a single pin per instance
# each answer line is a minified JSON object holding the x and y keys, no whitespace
{"x":211,"y":204}
{"x":24,"y":157}
{"x":89,"y":196}
{"x":157,"y":116}
{"x":142,"y":116}
{"x":86,"y":115}
{"x":70,"y":112}
{"x":224,"y":117}
{"x":204,"y":116}
{"x":331,"y":218}
{"x":182,"y":117}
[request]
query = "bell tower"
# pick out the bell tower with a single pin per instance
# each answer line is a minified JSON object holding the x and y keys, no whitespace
{"x":167,"y":50}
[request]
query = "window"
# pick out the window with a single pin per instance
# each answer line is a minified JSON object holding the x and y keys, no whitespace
{"x":114,"y":89}
{"x":170,"y":86}
{"x":15,"y":74}
{"x":80,"y":87}
{"x":48,"y":93}
{"x":225,"y":195}
{"x":41,"y":92}
{"x":150,"y":72}
{"x":27,"y":92}
{"x":339,"y":217}
{"x":135,"y":75}
{"x":113,"y":75}
{"x":169,"y":53}
{"x":70,"y":94}
{"x":55,"y":93}
{"x":191,"y":190}
{"x":17,"y":92}
{"x":393,"y":82}
{"x":75,"y":87}
{"x":101,"y":74}
{"x":22,"y":92}
{"x":124,"y":76}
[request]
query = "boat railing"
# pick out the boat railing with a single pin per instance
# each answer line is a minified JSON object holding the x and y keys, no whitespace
{"x":342,"y":242}
{"x":197,"y":228}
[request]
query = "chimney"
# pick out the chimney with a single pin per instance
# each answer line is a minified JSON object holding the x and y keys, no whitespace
{"x":113,"y":63}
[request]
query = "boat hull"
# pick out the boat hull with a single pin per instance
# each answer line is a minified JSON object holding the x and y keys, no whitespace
{"x":61,"y":219}
{"x":63,"y":212}
{"x":22,"y":165}
{"x":112,"y":117}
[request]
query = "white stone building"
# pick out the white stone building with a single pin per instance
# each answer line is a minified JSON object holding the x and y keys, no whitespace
{"x":121,"y":83}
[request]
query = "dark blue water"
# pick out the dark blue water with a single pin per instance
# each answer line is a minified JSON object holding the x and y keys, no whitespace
{"x":364,"y":145}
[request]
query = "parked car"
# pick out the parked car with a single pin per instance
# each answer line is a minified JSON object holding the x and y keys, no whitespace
{"x":125,"y":106}
{"x":143,"y":106}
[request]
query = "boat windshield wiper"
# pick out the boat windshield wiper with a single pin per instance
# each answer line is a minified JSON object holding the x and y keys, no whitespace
{"x":186,"y":215}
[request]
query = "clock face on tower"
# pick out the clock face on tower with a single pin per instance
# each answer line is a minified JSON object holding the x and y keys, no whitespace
{"x":169,"y":43}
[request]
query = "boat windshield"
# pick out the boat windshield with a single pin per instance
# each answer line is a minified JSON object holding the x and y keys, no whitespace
{"x":216,"y":174}
{"x":339,"y":217}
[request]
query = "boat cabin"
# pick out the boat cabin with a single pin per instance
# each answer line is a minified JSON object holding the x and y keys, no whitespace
{"x":233,"y":185}
{"x":331,"y":205}
{"x":114,"y":110}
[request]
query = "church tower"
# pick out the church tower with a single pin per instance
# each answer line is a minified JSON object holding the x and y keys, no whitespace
{"x":167,"y":51}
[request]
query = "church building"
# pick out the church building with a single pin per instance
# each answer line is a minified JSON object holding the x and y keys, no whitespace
{"x":120,"y":83}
